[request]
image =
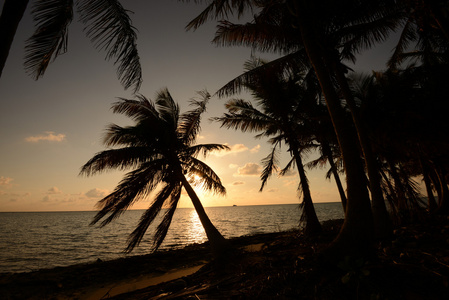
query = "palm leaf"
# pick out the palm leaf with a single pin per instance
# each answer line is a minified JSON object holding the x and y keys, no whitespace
{"x":189,"y":123}
{"x":138,"y":110}
{"x":284,"y":66}
{"x":109,"y":27}
{"x":203,"y":149}
{"x":408,"y":35}
{"x":270,"y":165}
{"x":164,"y":225}
{"x":134,"y":186}
{"x":52,"y":18}
{"x":149,"y":216}
{"x":289,"y":165}
{"x":209,"y":180}
{"x":119,"y":159}
{"x":167,"y":108}
{"x":244,"y":116}
{"x":219,"y":9}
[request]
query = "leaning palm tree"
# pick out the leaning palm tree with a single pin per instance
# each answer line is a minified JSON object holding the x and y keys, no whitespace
{"x":161,"y":151}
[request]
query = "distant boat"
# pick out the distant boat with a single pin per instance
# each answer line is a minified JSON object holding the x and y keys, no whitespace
{"x":234,"y":205}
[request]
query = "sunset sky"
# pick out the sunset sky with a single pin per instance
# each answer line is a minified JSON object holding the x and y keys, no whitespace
{"x":51,"y":127}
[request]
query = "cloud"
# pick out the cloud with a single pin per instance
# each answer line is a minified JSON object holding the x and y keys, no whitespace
{"x":238,"y":183}
{"x":5,"y":181}
{"x":49,"y":136}
{"x":233,"y":166}
{"x":53,"y":191}
{"x":273,"y":190}
{"x":255,"y":149}
{"x":96,"y":193}
{"x":249,"y":169}
{"x":237,"y":148}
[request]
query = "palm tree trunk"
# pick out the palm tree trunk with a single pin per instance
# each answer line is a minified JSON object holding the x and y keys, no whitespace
{"x":431,"y":202}
{"x":12,"y":14}
{"x":218,"y":243}
{"x":356,"y":235}
{"x":443,"y":205}
{"x":382,"y":223}
{"x":313,"y":225}
{"x":328,"y":154}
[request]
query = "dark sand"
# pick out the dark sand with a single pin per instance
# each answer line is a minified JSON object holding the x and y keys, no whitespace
{"x":413,"y":265}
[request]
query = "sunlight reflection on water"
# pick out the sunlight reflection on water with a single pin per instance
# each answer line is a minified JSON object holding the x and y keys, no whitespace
{"x":30,"y":241}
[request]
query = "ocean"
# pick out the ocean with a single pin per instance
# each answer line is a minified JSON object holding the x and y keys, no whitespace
{"x":36,"y":240}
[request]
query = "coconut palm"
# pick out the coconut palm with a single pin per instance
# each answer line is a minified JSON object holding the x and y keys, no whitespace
{"x":282,"y":103}
{"x":425,"y":34}
{"x":106,"y":23}
{"x":292,"y":26}
{"x":161,"y":151}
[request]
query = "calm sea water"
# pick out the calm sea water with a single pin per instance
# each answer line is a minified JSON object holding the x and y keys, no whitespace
{"x":36,"y":240}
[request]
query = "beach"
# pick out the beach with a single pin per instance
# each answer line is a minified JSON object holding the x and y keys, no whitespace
{"x":283,"y":265}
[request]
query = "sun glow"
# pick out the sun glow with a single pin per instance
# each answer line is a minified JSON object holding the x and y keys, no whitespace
{"x":195,"y":231}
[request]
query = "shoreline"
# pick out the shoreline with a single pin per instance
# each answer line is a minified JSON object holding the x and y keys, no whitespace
{"x":89,"y":280}
{"x":414,"y":264}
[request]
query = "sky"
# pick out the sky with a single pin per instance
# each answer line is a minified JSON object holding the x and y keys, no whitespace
{"x":49,"y":128}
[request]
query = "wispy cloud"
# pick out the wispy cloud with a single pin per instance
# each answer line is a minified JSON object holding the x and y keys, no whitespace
{"x":5,"y":181}
{"x":238,"y":183}
{"x":53,"y":191}
{"x":49,"y":136}
{"x":237,"y":148}
{"x":249,"y":169}
{"x":255,"y":149}
{"x":96,"y":193}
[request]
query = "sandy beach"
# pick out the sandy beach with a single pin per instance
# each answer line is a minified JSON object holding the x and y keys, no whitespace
{"x":283,"y":265}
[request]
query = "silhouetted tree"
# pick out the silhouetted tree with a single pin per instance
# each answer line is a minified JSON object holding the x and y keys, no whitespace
{"x":161,"y":151}
{"x":107,"y":24}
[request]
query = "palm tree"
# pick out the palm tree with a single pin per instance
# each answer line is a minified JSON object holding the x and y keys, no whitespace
{"x":161,"y":151}
{"x":107,"y":24}
{"x":301,"y":22}
{"x":282,"y":102}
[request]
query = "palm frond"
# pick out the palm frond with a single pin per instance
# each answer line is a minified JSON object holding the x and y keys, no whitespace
{"x":164,"y":225}
{"x":119,"y":159}
{"x":243,"y":116}
{"x":208,"y":179}
{"x":270,"y":165}
{"x":369,"y":28}
{"x":139,"y":109}
{"x":109,"y":27}
{"x":408,"y":35}
{"x":284,"y":66}
{"x":52,"y":18}
{"x":219,"y":9}
{"x":259,"y":36}
{"x":167,"y":108}
{"x":150,"y":215}
{"x":287,"y":167}
{"x":203,"y":149}
{"x":190,"y":121}
{"x":130,"y":136}
{"x":134,"y":186}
